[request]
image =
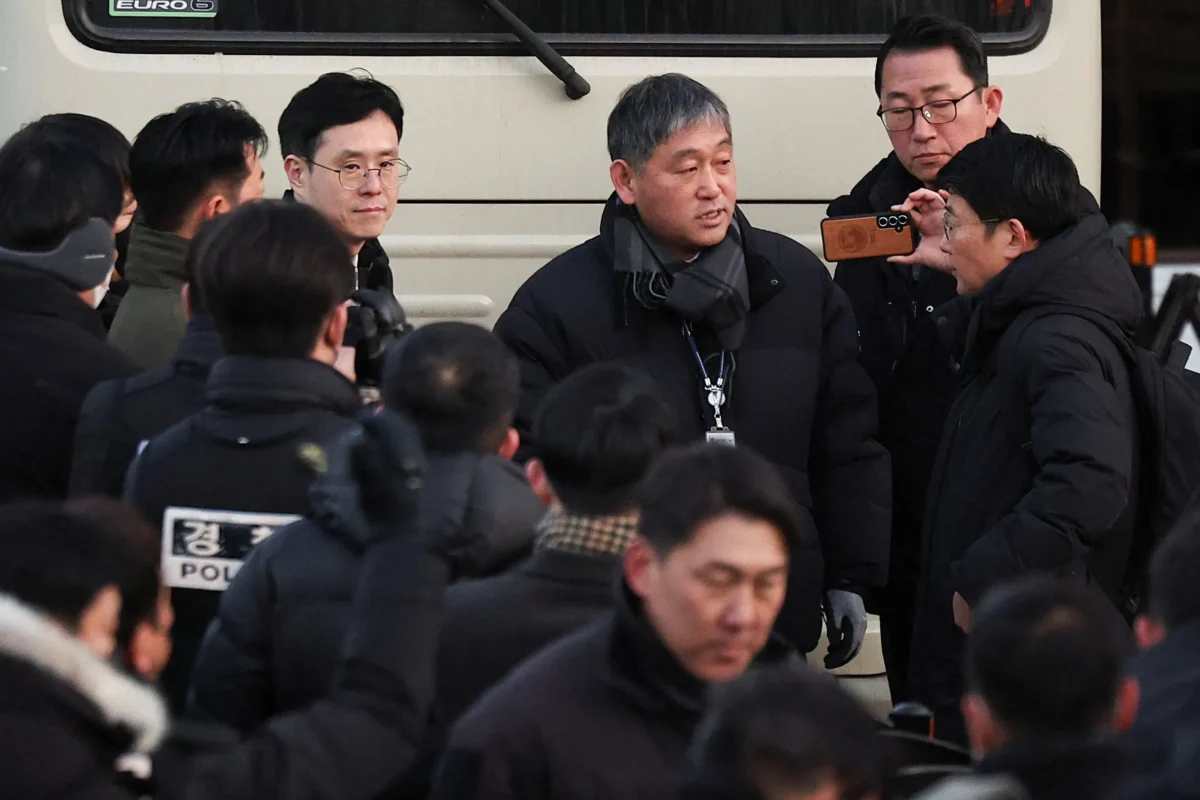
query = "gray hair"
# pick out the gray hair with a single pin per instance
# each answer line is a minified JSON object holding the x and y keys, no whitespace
{"x":656,"y":108}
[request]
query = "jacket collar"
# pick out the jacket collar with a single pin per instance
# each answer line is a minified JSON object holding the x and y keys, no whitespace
{"x":200,"y":346}
{"x":275,"y":385}
{"x":574,"y":569}
{"x":650,"y":675}
{"x":595,"y":536}
{"x":29,"y":292}
{"x":156,"y":258}
{"x":121,"y":702}
{"x":1060,"y":767}
{"x":765,"y":281}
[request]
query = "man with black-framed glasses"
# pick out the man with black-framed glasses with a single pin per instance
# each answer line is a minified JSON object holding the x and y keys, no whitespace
{"x":931,"y":78}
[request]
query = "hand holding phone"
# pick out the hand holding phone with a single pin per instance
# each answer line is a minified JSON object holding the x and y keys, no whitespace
{"x":880,"y":235}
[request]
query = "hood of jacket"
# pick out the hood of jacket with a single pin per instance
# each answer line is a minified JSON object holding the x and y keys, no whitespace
{"x":477,"y":507}
{"x":1080,"y":268}
{"x":121,"y":702}
{"x":156,"y":259}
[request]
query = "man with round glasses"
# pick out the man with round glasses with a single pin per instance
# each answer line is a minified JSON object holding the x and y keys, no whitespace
{"x":340,"y":139}
{"x":931,"y":77}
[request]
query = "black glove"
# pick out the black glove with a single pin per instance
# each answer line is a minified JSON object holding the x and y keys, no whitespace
{"x":387,"y":462}
{"x":376,"y":322}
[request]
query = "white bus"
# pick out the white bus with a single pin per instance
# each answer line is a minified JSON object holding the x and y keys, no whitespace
{"x":508,"y":171}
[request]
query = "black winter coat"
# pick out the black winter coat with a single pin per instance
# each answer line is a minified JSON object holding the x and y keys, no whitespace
{"x":493,"y":625}
{"x":66,"y":717}
{"x":1036,"y":470}
{"x":275,"y":642}
{"x":607,"y":712}
{"x":119,"y":415}
{"x":1060,"y":770}
{"x":900,"y":349}
{"x":798,"y":395}
{"x":242,"y":454}
{"x":1164,"y":742}
{"x":52,"y":352}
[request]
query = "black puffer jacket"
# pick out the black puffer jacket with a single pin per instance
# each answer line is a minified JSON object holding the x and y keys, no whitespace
{"x":275,"y":643}
{"x":798,"y":395}
{"x":52,"y":352}
{"x":1037,"y":467}
{"x":910,"y":364}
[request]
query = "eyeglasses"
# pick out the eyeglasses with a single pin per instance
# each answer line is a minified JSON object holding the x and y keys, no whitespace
{"x":939,"y":112}
{"x":949,"y":229}
{"x":352,"y":176}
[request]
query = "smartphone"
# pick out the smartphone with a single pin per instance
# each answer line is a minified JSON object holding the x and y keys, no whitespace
{"x":868,"y":236}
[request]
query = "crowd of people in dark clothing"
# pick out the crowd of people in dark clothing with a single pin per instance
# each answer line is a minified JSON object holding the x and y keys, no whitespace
{"x":260,"y":538}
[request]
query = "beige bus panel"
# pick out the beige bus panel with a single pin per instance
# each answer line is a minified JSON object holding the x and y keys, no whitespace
{"x":481,"y":129}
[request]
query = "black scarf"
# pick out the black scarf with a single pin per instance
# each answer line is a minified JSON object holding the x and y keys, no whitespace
{"x":712,"y":288}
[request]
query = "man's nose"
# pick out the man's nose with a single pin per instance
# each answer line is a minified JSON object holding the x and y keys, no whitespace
{"x":709,"y":186}
{"x":922,"y":130}
{"x":373,"y":184}
{"x":739,"y":611}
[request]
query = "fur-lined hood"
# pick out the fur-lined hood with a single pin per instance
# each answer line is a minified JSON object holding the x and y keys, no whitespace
{"x":29,"y":636}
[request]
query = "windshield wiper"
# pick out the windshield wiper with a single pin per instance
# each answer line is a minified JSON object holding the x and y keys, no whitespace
{"x":574,"y":83}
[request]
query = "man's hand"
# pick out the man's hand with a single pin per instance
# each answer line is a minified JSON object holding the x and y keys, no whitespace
{"x":845,"y":626}
{"x":387,"y":463}
{"x":927,"y":208}
{"x":962,"y":613}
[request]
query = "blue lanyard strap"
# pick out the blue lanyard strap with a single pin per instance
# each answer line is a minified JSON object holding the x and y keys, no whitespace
{"x":716,"y":392}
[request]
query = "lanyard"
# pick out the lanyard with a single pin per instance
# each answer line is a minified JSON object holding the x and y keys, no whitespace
{"x":716,"y":392}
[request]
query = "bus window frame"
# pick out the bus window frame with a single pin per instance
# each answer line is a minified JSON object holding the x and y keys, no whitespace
{"x":274,"y":43}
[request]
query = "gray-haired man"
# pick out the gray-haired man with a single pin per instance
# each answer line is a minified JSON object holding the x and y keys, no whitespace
{"x":744,"y":329}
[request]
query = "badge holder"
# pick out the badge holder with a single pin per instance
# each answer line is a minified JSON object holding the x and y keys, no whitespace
{"x":718,"y":434}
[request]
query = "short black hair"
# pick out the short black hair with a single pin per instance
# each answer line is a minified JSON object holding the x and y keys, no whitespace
{"x":692,"y":485}
{"x":180,"y":155}
{"x":270,"y":276}
{"x":1047,"y":656}
{"x":1174,"y":580}
{"x":925,"y":32}
{"x":457,"y":382}
{"x":139,"y":546}
{"x":335,"y":99}
{"x":57,"y":561}
{"x":100,"y":136}
{"x":598,"y":432}
{"x":1017,"y":176}
{"x":50,"y":185}
{"x":784,"y":729}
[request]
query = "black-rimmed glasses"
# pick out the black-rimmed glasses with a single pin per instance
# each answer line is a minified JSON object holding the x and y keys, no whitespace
{"x":939,"y":112}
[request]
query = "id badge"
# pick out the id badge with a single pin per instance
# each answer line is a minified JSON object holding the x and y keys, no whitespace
{"x":722,"y":436}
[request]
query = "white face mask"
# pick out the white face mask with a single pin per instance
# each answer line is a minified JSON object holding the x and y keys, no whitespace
{"x":101,"y":290}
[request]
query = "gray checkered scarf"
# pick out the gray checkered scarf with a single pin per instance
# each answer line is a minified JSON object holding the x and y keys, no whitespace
{"x":712,"y":288}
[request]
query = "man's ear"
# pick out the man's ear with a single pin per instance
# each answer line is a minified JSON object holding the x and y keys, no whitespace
{"x":535,"y":473}
{"x":1148,"y":632}
{"x":982,"y":731}
{"x":512,"y":443}
{"x":640,"y":564}
{"x":1129,"y":694}
{"x":1019,"y":240}
{"x":993,"y":98}
{"x":99,"y":622}
{"x":297,"y":171}
{"x":335,"y":330}
{"x":623,"y":181}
